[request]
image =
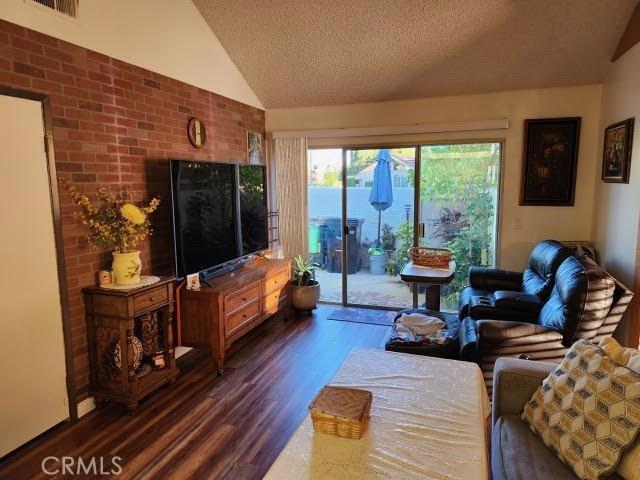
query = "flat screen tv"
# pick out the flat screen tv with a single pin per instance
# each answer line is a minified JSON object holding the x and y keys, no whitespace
{"x":219,"y":214}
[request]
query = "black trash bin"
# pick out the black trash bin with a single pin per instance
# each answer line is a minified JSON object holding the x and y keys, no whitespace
{"x":330,"y":236}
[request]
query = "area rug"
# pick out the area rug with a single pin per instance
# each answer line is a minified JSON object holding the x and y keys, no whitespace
{"x":363,"y":315}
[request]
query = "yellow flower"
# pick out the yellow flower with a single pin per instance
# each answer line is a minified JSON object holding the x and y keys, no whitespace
{"x":133,"y":214}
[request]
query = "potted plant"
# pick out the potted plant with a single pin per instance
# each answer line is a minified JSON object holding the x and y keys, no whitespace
{"x":305,"y":290}
{"x":118,"y":223}
{"x":377,"y":260}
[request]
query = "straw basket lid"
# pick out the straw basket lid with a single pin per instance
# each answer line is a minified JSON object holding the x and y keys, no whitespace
{"x":348,"y":403}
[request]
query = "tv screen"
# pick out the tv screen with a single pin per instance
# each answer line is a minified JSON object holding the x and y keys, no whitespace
{"x":253,"y":209}
{"x":204,"y":215}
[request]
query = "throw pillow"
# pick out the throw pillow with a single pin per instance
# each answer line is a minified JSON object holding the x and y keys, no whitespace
{"x":629,"y":467}
{"x":587,"y":411}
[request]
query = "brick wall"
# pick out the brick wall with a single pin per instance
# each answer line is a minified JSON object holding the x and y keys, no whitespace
{"x":116,"y":124}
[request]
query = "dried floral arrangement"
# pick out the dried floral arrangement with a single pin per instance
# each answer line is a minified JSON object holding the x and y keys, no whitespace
{"x":114,"y":220}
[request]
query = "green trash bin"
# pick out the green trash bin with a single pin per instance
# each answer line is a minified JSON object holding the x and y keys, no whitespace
{"x":314,"y":238}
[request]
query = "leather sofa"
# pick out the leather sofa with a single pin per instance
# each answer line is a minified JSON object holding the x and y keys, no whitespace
{"x":586,"y":302}
{"x":506,"y":295}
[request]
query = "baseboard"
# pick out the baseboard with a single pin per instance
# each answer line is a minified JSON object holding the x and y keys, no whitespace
{"x":85,"y":406}
{"x":180,"y":350}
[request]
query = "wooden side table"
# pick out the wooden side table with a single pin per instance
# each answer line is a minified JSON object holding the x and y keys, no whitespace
{"x":433,"y":278}
{"x":113,"y":318}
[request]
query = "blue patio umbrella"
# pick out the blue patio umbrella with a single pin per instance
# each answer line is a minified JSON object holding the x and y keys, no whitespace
{"x":381,"y":196}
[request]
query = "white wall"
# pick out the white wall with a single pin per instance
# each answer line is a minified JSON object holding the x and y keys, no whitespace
{"x":165,"y":36}
{"x":618,"y":205}
{"x":521,"y":227}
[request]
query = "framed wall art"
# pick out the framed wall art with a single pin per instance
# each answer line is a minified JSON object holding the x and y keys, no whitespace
{"x":254,"y":148}
{"x":616,"y":155}
{"x":197,"y":132}
{"x":550,"y":161}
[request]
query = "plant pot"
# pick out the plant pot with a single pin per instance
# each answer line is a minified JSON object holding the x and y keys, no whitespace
{"x":377,"y":263}
{"x":305,"y":298}
{"x":126,"y":268}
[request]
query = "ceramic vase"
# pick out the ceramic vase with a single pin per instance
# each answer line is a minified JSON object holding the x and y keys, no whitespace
{"x":126,"y":268}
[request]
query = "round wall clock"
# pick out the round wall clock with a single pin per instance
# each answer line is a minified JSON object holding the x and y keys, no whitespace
{"x":197,"y":132}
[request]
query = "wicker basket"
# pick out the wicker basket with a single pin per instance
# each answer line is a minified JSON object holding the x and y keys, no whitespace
{"x":430,"y":256}
{"x":341,"y":411}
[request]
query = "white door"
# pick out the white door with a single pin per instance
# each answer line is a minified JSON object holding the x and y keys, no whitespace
{"x":32,"y":364}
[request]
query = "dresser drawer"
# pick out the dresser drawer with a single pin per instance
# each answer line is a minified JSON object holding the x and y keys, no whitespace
{"x":276,"y":282}
{"x":235,"y":322}
{"x":149,"y":299}
{"x":274,"y":300}
{"x":241,"y":299}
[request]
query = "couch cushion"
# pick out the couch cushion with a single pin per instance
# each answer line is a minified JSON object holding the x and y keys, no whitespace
{"x":580,"y":301}
{"x":587,"y":411}
{"x":517,"y":454}
{"x":544,"y":260}
{"x":629,"y":467}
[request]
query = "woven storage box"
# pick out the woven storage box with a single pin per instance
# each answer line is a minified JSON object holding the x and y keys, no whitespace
{"x":341,"y":411}
{"x":430,"y":256}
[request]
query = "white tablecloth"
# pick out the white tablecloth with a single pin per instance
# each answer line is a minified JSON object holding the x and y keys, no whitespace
{"x":427,"y":421}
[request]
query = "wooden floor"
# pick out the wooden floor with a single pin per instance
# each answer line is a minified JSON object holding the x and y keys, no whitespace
{"x":205,"y":426}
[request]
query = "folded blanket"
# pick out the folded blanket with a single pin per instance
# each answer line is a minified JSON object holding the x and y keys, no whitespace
{"x":420,"y":324}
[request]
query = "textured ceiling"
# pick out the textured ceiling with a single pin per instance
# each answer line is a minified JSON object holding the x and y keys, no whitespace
{"x":324,"y":52}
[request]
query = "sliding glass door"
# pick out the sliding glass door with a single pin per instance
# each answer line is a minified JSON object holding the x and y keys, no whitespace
{"x":363,"y":217}
{"x":379,"y":198}
{"x":458,"y":191}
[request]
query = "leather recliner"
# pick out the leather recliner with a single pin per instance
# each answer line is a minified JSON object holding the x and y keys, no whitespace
{"x":586,"y":302}
{"x":507,"y":295}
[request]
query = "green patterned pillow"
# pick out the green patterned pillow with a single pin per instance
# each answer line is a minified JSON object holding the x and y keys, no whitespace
{"x":587,"y":411}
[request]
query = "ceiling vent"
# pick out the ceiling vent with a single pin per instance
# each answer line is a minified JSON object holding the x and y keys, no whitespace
{"x":66,"y":7}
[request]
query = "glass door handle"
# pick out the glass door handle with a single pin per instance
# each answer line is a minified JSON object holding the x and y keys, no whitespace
{"x":421,"y":230}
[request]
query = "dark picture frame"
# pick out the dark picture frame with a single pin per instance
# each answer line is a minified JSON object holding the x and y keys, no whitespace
{"x":550,"y":161}
{"x":616,"y":151}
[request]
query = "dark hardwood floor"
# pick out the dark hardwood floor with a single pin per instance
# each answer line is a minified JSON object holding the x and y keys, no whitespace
{"x":204,"y":426}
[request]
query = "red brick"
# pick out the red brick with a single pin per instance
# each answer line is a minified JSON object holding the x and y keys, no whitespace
{"x":60,"y":78}
{"x":65,"y":123}
{"x":85,"y":105}
{"x":45,"y":86}
{"x":29,"y":70}
{"x":24,"y":44}
{"x":58,"y":54}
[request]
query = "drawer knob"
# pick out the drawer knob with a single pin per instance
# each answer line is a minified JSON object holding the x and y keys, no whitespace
{"x":244,"y":299}
{"x":244,"y":315}
{"x":153,"y":299}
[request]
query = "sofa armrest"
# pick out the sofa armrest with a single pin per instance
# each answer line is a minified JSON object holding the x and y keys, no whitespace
{"x":514,"y":381}
{"x":517,"y":301}
{"x":497,"y":332}
{"x":468,"y":340}
{"x":493,"y":279}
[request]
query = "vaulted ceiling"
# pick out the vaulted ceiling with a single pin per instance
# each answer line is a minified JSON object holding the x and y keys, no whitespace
{"x":323,"y":52}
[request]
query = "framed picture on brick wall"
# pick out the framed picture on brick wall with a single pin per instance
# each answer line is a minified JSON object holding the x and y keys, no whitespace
{"x":254,"y":148}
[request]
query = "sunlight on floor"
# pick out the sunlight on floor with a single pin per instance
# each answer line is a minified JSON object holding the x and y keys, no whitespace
{"x":365,"y":289}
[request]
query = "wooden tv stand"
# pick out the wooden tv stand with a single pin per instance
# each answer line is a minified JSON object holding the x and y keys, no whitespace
{"x":216,"y":316}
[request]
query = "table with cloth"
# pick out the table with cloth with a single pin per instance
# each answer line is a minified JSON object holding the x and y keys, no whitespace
{"x":427,"y":421}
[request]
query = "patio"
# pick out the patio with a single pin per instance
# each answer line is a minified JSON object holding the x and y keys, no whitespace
{"x":365,"y":288}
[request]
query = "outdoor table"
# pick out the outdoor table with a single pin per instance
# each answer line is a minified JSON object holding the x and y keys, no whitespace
{"x":432,"y":277}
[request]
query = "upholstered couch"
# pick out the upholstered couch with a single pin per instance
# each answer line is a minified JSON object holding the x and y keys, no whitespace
{"x":516,"y":452}
{"x":585,"y":303}
{"x":506,"y":295}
